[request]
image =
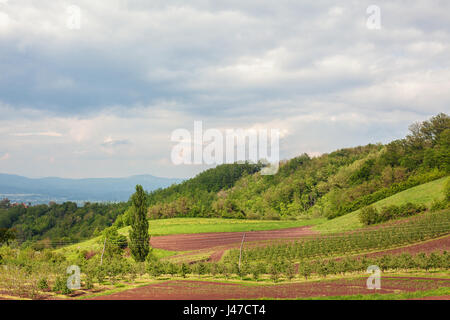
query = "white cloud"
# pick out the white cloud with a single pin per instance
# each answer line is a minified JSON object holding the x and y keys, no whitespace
{"x":6,"y":156}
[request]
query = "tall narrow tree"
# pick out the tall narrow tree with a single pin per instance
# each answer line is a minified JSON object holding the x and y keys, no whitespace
{"x":139,"y":238}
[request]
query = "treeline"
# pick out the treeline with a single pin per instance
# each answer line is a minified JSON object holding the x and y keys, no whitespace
{"x":194,"y":197}
{"x":58,"y":223}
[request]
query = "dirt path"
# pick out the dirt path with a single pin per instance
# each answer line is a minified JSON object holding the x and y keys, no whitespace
{"x":188,"y":242}
{"x":202,"y":290}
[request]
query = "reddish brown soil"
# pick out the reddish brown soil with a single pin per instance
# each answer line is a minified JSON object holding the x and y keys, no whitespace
{"x":187,"y":242}
{"x":199,"y":290}
{"x":440,"y":244}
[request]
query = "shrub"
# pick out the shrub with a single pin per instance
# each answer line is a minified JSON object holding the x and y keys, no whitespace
{"x":305,"y":270}
{"x":60,"y":286}
{"x":42,"y":284}
{"x":155,"y":269}
{"x":290,"y":271}
{"x":89,"y":283}
{"x":368,"y":215}
{"x":274,"y":272}
{"x":184,"y":270}
{"x":258,"y":269}
{"x":199,"y":268}
{"x":439,"y":205}
{"x":172,"y":269}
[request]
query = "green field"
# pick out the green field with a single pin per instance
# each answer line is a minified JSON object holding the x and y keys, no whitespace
{"x":202,"y":225}
{"x":423,"y":194}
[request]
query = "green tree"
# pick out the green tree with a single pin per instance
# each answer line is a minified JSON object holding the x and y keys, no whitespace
{"x":305,"y":269}
{"x":368,"y":215}
{"x":114,"y":242}
{"x":139,"y":238}
{"x":7,"y":235}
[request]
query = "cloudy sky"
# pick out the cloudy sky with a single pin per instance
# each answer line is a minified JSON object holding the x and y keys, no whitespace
{"x":102,"y":100}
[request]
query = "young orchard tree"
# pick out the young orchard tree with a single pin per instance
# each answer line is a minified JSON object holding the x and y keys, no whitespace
{"x":139,"y":238}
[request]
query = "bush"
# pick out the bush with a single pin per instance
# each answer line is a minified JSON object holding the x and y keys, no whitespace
{"x":257,"y":269}
{"x":305,"y":270}
{"x":290,"y":271}
{"x":184,"y":270}
{"x":60,"y":286}
{"x":89,"y":283}
{"x":274,"y":270}
{"x":199,"y":268}
{"x":155,"y":269}
{"x":42,"y":284}
{"x":439,"y":205}
{"x":172,"y":269}
{"x":368,"y":215}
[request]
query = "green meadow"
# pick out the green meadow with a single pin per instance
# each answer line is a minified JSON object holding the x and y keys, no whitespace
{"x":423,"y":194}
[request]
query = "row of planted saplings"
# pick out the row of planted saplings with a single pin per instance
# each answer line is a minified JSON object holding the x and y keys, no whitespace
{"x":282,"y":269}
{"x":426,"y":227}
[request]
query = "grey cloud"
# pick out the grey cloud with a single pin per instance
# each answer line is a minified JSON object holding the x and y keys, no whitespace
{"x":229,"y":63}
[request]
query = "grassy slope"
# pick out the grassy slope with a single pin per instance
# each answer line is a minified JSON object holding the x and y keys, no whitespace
{"x":422,"y":194}
{"x":197,"y":225}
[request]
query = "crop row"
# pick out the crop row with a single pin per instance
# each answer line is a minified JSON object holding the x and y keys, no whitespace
{"x":424,"y":227}
{"x":284,"y":268}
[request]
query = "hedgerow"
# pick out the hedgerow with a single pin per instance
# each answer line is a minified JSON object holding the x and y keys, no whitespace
{"x":370,"y":215}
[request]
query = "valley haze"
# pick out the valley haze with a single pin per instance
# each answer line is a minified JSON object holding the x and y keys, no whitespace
{"x":42,"y":190}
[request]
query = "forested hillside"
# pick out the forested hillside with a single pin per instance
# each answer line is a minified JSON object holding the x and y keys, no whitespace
{"x":330,"y":185}
{"x":194,"y":197}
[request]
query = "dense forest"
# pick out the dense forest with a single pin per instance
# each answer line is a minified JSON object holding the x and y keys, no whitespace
{"x":329,"y":185}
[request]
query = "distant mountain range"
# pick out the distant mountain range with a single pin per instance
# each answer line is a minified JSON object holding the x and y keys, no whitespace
{"x":42,"y":190}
